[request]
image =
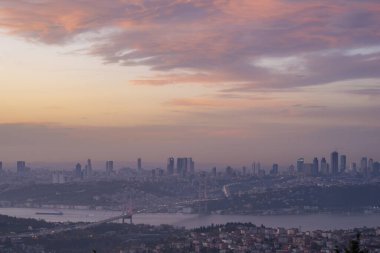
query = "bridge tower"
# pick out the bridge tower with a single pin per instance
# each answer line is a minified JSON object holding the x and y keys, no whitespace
{"x":127,"y":212}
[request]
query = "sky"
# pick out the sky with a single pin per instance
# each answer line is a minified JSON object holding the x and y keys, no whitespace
{"x":223,"y":81}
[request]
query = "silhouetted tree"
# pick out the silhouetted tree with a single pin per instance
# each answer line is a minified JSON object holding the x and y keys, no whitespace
{"x":354,"y":246}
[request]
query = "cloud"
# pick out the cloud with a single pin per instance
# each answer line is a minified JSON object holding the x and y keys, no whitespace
{"x":371,"y":92}
{"x":213,"y":42}
{"x":191,"y":102}
{"x":204,"y":78}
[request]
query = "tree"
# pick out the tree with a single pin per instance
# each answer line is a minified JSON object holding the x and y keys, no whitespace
{"x":354,"y":246}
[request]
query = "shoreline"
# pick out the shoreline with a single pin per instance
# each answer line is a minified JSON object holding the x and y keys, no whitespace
{"x":360,"y":211}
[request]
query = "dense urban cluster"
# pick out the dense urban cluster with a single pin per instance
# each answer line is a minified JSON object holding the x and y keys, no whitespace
{"x":231,"y":237}
{"x":250,"y":238}
{"x":304,"y":188}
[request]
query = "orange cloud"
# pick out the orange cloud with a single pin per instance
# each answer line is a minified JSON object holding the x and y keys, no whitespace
{"x":72,"y":21}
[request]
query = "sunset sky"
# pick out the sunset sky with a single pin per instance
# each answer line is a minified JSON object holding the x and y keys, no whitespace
{"x":224,"y":81}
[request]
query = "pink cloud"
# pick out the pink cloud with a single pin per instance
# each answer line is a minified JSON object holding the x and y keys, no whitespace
{"x":221,"y":37}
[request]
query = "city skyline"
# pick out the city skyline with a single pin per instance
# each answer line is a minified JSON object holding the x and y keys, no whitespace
{"x":225,"y":81}
{"x":333,"y":163}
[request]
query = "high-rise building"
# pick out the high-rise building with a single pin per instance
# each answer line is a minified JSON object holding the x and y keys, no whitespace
{"x":343,"y":163}
{"x":89,"y":167}
{"x":315,"y":169}
{"x":354,"y":167}
{"x":78,"y":170}
{"x":229,"y":171}
{"x":300,"y":163}
{"x":1,"y":166}
{"x":253,"y":168}
{"x":370,"y":164}
{"x":334,"y":162}
{"x":185,"y":165}
{"x":274,"y":170}
{"x":364,"y":165}
{"x":58,"y":177}
{"x":21,"y":167}
{"x":181,"y":164}
{"x":213,"y":172}
{"x":170,"y":166}
{"x":324,"y":166}
{"x":376,"y":168}
{"x":256,"y":167}
{"x":307,"y":169}
{"x":109,"y":167}
{"x":139,"y":164}
{"x":192,"y":166}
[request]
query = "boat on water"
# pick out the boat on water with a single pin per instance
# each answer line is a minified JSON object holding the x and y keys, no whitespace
{"x":49,"y":213}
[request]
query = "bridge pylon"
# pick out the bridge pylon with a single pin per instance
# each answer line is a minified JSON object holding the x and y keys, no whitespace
{"x":127,"y":213}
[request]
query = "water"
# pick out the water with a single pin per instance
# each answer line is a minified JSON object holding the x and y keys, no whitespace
{"x":305,"y":222}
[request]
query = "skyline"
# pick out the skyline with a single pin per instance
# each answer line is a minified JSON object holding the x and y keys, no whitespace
{"x":342,"y":163}
{"x":220,"y":80}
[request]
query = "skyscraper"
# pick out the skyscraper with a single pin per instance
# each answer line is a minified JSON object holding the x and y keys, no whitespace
{"x":315,"y":169}
{"x":139,"y":164}
{"x":364,"y":165}
{"x":182,"y":165}
{"x":274,"y":170}
{"x":253,"y":167}
{"x":334,"y":162}
{"x":300,"y":163}
{"x":78,"y":170}
{"x":214,"y":172}
{"x":343,"y":163}
{"x":192,"y":165}
{"x":89,"y":167}
{"x":109,"y":167}
{"x":376,"y":168}
{"x":353,"y":167}
{"x":21,"y":167}
{"x":370,"y":164}
{"x":324,"y":166}
{"x":170,"y":166}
